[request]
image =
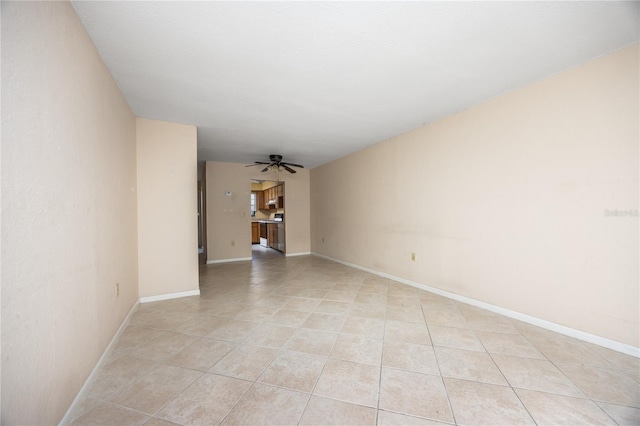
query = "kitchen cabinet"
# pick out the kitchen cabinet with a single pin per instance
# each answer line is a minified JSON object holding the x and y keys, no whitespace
{"x":255,"y":233}
{"x":274,"y":193}
{"x":272,"y":235}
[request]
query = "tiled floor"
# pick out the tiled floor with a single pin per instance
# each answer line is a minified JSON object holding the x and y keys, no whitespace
{"x":307,"y":341}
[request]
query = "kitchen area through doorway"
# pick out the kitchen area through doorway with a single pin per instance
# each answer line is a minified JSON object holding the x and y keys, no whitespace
{"x":267,"y":216}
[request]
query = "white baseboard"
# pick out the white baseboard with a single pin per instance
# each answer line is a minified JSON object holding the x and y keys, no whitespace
{"x":303,"y":253}
{"x":84,"y":390}
{"x":567,"y":331}
{"x":169,"y":296}
{"x":237,"y":259}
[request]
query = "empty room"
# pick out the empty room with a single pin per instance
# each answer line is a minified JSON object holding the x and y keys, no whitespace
{"x":320,"y":213}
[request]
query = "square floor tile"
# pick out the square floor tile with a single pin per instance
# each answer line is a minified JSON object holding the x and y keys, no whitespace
{"x":415,"y":394}
{"x":469,"y":365}
{"x":333,"y":307}
{"x":233,"y":330}
{"x":202,"y":354}
{"x":311,"y":341}
{"x":116,"y":375}
{"x":457,"y":338}
{"x":107,"y":414}
{"x":370,"y":327}
{"x":624,"y":416}
{"x":410,"y":357}
{"x":324,"y":322}
{"x":325,"y":411}
{"x":245,"y":362}
{"x":268,"y":405}
{"x":354,"y":348}
{"x":535,"y":374}
{"x":205,"y":402}
{"x":350,"y":382}
{"x":407,"y":332}
{"x":387,"y":418}
{"x":476,"y":403}
{"x":155,"y":389}
{"x":603,"y":384}
{"x":550,"y":409}
{"x":270,"y":335}
{"x":508,"y":344}
{"x":294,"y":370}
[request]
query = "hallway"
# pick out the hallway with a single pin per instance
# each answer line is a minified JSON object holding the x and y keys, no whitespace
{"x":304,"y":340}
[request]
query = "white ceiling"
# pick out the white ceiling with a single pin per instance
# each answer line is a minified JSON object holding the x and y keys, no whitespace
{"x":314,"y":81}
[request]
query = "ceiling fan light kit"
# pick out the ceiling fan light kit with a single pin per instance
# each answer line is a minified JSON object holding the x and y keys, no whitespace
{"x":276,"y":165}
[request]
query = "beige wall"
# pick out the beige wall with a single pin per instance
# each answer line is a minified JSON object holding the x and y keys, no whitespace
{"x":228,"y":218}
{"x":505,"y":202}
{"x":167,"y":208}
{"x":68,"y":210}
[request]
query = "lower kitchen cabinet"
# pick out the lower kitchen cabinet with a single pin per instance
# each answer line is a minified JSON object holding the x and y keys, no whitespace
{"x":255,"y":233}
{"x":272,"y":235}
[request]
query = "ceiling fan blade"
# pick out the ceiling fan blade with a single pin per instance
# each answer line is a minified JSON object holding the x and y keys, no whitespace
{"x":287,"y":168}
{"x":294,"y":165}
{"x":256,"y":163}
{"x":265,"y":169}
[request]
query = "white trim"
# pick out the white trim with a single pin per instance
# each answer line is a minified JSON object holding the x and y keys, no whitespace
{"x":169,"y":296}
{"x":567,"y":331}
{"x":303,"y":253}
{"x":238,"y":259}
{"x":84,"y":390}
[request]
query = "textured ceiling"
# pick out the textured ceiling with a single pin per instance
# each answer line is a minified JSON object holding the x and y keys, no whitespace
{"x":314,"y":81}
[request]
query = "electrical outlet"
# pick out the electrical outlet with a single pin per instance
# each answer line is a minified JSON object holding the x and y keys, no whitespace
{"x":233,"y":243}
{"x":413,"y":256}
{"x":117,"y":289}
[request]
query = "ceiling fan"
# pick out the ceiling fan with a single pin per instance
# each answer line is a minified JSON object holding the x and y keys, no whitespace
{"x":277,"y":164}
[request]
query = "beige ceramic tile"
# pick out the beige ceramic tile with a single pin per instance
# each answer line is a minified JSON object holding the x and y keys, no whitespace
{"x":341,"y":296}
{"x":370,"y":327}
{"x":202,"y":355}
{"x":617,"y":359}
{"x":469,"y":365}
{"x":415,"y":394}
{"x":324,"y":322}
{"x":412,"y":302}
{"x":476,"y":403}
{"x":346,"y":287}
{"x":155,"y":389}
{"x":535,"y":374}
{"x":312,"y":293}
{"x":368,"y":310}
{"x":398,"y":313}
{"x":245,"y":362}
{"x":487,"y":321}
{"x":325,"y":411}
{"x":158,"y":422}
{"x":228,"y":310}
{"x":447,"y":316}
{"x":200,"y":325}
{"x":274,"y":336}
{"x":118,"y":374}
{"x":566,"y":349}
{"x":387,"y":418}
{"x":361,"y":349}
{"x":409,"y":356}
{"x":373,"y":288}
{"x":233,"y":330}
{"x":333,"y":307}
{"x":371,"y":298}
{"x":206,"y":402}
{"x":624,"y":416}
{"x":508,"y":344}
{"x":268,"y":405}
{"x":350,"y":382}
{"x":108,"y":414}
{"x":603,"y":384}
{"x":164,"y":346}
{"x":134,"y":337}
{"x":407,"y":332}
{"x":256,"y":313}
{"x":160,"y":319}
{"x":457,"y":338}
{"x":289,"y":318}
{"x":311,"y":341}
{"x":300,"y":304}
{"x":294,"y":370}
{"x":81,"y":408}
{"x":550,"y":409}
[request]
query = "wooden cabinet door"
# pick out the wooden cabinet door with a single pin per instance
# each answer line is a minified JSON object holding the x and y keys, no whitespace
{"x":255,"y":233}
{"x":259,"y":200}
